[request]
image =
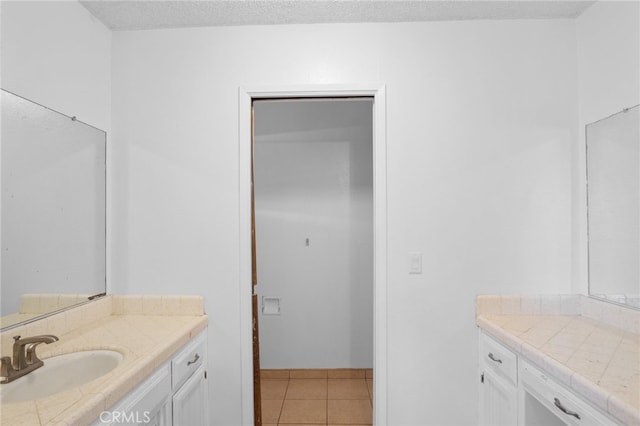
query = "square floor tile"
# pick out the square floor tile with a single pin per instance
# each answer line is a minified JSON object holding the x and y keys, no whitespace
{"x":273,"y":389}
{"x":349,"y":411}
{"x":346,"y":373}
{"x":348,"y":389}
{"x":307,"y":389}
{"x":303,"y":424}
{"x":304,"y":411}
{"x":308,"y":373}
{"x":274,"y":374}
{"x":271,"y":410}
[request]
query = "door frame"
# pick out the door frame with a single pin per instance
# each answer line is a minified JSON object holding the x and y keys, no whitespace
{"x":245,"y":97}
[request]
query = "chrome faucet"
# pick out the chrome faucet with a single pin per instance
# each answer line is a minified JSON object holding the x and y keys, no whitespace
{"x":25,"y":359}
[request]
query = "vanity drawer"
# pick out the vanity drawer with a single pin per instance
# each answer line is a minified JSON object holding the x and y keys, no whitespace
{"x":188,"y":360}
{"x":498,"y":358}
{"x":558,"y":400}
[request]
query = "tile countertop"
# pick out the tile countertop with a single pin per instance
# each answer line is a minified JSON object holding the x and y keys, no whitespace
{"x":598,"y":361}
{"x":146,"y":330}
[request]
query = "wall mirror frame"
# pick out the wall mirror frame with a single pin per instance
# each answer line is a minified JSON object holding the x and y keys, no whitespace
{"x":53,"y":211}
{"x":613,"y":207}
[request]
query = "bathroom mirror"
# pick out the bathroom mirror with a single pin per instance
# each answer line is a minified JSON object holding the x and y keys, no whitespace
{"x":53,"y":211}
{"x":613,"y":201}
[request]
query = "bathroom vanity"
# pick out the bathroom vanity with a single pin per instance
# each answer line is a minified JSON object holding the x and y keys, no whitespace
{"x":175,"y":394}
{"x":545,"y":362}
{"x":160,"y":376}
{"x":515,"y":392}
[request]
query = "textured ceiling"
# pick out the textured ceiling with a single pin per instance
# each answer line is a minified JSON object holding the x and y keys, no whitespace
{"x":152,"y":14}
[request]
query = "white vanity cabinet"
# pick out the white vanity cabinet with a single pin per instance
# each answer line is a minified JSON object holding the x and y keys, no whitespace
{"x":498,"y":383}
{"x":149,"y":403}
{"x":513,"y":391}
{"x":190,"y":402}
{"x":175,"y":394}
{"x":190,"y":389}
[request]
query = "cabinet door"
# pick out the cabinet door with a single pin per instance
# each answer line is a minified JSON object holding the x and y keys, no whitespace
{"x":190,"y":403}
{"x":143,"y":404}
{"x":498,"y":400}
{"x":161,"y":417}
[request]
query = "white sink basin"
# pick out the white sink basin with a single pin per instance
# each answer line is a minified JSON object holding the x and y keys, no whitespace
{"x":60,"y":373}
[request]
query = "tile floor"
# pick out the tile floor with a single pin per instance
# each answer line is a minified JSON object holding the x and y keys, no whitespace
{"x":317,"y":397}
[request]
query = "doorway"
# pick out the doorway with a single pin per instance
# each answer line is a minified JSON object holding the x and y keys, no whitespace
{"x":313,"y":204}
{"x":247,"y":97}
{"x":313,"y":189}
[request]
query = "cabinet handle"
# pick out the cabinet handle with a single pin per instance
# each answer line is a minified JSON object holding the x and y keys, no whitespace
{"x":494,"y":359}
{"x":558,"y":404}
{"x":195,"y":359}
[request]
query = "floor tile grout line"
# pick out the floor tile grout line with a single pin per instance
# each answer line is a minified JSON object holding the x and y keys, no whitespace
{"x":282,"y":405}
{"x":363,"y":379}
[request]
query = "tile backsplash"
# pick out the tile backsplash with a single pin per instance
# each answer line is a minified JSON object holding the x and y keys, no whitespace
{"x":97,"y":310}
{"x":48,"y":302}
{"x":566,"y":304}
{"x":157,"y":305}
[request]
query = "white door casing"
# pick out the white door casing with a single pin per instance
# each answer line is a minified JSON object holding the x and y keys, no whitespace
{"x":378,"y":93}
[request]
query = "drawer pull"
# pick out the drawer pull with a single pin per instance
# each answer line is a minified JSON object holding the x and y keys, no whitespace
{"x":494,"y":359}
{"x":195,"y":359}
{"x":558,"y":404}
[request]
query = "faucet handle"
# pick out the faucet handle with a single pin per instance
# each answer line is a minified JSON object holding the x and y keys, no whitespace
{"x":6,"y":369}
{"x":16,"y":338}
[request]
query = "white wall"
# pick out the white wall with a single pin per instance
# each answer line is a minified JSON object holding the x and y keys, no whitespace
{"x":608,"y":36}
{"x":608,"y":43}
{"x":57,"y":54}
{"x":480,"y":125}
{"x":313,"y":168}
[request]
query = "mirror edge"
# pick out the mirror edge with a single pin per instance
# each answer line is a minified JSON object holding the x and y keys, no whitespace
{"x":44,"y":315}
{"x":96,"y":296}
{"x":586,"y":188}
{"x":613,"y":302}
